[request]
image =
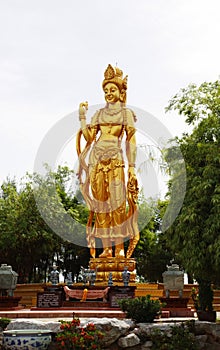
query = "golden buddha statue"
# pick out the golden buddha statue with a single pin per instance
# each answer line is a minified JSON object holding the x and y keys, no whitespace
{"x":112,"y":203}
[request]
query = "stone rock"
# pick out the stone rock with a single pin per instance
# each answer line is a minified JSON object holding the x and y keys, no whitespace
{"x":216,"y":330}
{"x":213,"y":346}
{"x":111,"y":347}
{"x":201,"y":340}
{"x":147,"y":345}
{"x":111,"y":327}
{"x":129,"y":341}
{"x":127,"y":334}
{"x":204,"y":327}
{"x":146,"y":329}
{"x":20,"y":323}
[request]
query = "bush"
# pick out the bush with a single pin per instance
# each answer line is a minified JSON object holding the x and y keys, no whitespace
{"x":141,"y":309}
{"x":4,"y":322}
{"x":179,"y":338}
{"x":74,"y":337}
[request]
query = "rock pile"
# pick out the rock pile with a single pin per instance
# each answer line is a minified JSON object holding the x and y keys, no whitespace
{"x":125,"y":334}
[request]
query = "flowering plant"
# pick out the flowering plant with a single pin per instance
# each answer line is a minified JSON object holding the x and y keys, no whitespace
{"x":74,"y":337}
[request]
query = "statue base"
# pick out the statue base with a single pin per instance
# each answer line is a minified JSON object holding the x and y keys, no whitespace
{"x":177,"y":307}
{"x":175,"y":302}
{"x":9,"y":302}
{"x":116,"y":266}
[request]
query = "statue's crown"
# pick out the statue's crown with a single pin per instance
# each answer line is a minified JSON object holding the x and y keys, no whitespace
{"x":111,"y":72}
{"x":115,"y":75}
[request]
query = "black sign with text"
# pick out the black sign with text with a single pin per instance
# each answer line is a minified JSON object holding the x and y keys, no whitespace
{"x":117,"y":293}
{"x":49,"y":299}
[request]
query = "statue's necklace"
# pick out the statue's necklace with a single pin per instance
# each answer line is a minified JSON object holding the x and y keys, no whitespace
{"x":109,"y":111}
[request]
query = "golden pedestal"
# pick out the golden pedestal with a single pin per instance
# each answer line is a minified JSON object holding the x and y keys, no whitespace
{"x":104,"y":266}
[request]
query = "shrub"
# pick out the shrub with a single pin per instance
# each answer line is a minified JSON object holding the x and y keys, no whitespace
{"x":4,"y":322}
{"x":74,"y":337}
{"x":179,"y":338}
{"x":141,"y":309}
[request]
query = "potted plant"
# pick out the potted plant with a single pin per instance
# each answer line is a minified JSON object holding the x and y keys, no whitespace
{"x":203,"y":301}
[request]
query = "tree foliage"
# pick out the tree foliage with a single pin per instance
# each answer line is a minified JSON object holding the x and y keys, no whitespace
{"x":194,"y":236}
{"x":152,"y":252}
{"x":41,"y":218}
{"x":27,"y":242}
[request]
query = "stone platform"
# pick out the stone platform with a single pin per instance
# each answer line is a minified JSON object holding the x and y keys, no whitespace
{"x":11,"y":308}
{"x":89,"y":305}
{"x":9,"y":302}
{"x":64,"y":312}
{"x":83,"y":311}
{"x":179,"y":312}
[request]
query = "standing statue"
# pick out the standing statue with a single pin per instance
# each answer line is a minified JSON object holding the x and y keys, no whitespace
{"x":102,"y":176}
{"x":54,"y":275}
{"x":126,"y":276}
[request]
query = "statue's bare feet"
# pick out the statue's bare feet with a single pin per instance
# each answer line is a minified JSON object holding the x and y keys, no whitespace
{"x":107,"y":253}
{"x":119,"y":253}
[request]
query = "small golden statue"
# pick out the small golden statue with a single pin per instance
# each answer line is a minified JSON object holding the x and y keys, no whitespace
{"x":102,"y":177}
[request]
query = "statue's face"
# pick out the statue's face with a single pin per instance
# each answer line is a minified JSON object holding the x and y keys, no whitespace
{"x":112,"y":93}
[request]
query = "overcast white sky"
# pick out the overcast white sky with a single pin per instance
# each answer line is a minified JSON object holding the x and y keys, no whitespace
{"x":53,"y":55}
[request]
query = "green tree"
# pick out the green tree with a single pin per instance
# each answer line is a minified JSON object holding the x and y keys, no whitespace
{"x":65,"y":214}
{"x":27,"y":242}
{"x":194,"y":235}
{"x":152,"y":252}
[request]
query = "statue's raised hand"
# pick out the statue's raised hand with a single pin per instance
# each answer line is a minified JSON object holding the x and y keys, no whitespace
{"x":83,"y":107}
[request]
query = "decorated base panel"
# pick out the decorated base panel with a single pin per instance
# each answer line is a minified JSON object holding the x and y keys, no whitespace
{"x":104,"y":266}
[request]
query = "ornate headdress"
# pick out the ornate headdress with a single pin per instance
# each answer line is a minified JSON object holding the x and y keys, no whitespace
{"x":115,"y":75}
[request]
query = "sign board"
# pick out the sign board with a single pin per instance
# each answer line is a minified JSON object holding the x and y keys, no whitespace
{"x":117,"y":293}
{"x":49,"y":299}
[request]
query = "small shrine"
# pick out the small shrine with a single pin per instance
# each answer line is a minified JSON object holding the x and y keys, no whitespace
{"x":173,"y":280}
{"x":8,"y":281}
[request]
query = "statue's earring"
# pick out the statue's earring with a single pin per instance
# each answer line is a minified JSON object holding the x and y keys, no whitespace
{"x":122,"y":95}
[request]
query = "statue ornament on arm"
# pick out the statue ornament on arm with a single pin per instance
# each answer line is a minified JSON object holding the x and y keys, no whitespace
{"x":102,"y":176}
